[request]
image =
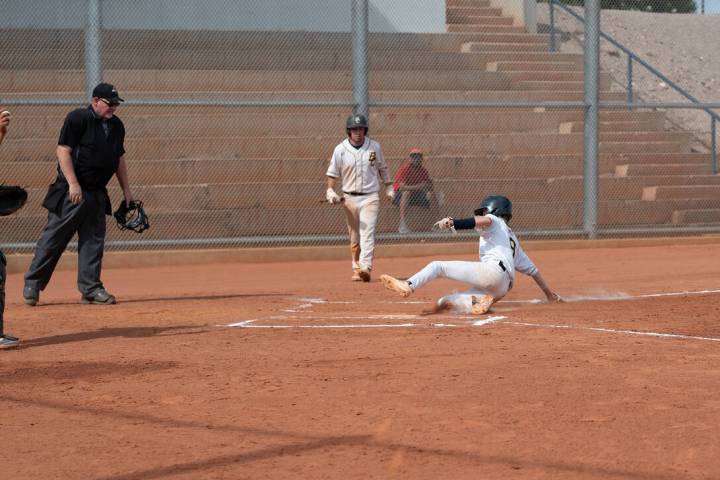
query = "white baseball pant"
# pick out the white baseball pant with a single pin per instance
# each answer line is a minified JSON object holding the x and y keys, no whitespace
{"x":361,"y":212}
{"x":485,"y":278}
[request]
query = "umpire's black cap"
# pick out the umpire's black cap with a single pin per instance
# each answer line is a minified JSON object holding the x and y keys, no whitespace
{"x":107,"y":91}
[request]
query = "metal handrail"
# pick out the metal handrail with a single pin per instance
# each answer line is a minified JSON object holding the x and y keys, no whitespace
{"x":633,"y":57}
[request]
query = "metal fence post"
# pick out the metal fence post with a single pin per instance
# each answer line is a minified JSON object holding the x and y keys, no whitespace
{"x":93,"y":47}
{"x":592,"y":75}
{"x":552,"y":25}
{"x":713,"y":144}
{"x":360,"y":56}
{"x":630,"y":80}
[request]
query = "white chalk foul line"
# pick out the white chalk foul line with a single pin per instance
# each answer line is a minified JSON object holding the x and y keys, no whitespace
{"x":619,"y":332}
{"x":616,"y":296}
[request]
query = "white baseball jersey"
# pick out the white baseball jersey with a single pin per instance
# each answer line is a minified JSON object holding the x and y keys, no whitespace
{"x":360,"y":170}
{"x":498,"y":243}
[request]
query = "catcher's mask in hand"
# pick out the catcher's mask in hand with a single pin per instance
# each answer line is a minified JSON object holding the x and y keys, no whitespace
{"x":132,"y":217}
{"x":11,"y":199}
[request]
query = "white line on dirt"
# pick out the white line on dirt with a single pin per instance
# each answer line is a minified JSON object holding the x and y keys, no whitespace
{"x":370,"y":325}
{"x":464,"y":321}
{"x":610,"y":330}
{"x":617,"y":296}
{"x":480,"y":323}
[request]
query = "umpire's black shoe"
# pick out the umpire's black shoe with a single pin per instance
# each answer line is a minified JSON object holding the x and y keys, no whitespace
{"x":31,"y":295}
{"x":8,"y":341}
{"x":100,"y":297}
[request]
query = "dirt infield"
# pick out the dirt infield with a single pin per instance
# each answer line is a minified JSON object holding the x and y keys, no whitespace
{"x":622,"y":382}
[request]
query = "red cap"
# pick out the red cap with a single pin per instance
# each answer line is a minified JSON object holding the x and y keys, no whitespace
{"x":415,"y":151}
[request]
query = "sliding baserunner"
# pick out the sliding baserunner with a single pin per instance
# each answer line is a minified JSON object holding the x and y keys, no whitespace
{"x":493,"y":276}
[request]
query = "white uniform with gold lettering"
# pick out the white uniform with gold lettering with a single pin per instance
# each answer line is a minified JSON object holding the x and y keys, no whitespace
{"x":362,"y":173}
{"x":500,"y":255}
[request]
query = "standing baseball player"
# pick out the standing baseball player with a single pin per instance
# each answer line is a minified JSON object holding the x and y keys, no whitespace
{"x":6,"y":341}
{"x":359,"y":165}
{"x":90,"y":152}
{"x":493,"y":276}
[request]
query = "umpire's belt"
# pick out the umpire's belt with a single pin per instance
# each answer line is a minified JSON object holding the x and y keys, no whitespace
{"x":356,"y":193}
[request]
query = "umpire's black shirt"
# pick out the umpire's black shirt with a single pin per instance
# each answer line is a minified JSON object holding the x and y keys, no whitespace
{"x":97,"y":145}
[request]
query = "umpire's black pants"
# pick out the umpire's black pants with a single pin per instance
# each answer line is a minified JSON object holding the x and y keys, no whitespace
{"x":3,"y":275}
{"x":88,"y":220}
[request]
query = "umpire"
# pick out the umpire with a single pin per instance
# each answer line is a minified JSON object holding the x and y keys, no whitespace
{"x":90,"y":151}
{"x":6,"y":341}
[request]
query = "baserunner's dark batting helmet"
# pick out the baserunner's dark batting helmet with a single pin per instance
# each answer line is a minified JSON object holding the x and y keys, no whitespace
{"x":496,"y":205}
{"x":356,"y":121}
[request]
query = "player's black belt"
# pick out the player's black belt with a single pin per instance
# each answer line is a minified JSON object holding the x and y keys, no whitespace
{"x":356,"y":193}
{"x":502,"y":266}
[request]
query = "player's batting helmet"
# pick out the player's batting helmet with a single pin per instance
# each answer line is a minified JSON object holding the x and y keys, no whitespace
{"x":496,"y":205}
{"x":356,"y":121}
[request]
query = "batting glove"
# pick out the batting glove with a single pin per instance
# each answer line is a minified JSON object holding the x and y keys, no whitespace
{"x":390,"y":192}
{"x":445,"y":224}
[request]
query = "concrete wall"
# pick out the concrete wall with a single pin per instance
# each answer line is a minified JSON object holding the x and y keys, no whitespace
{"x":425,"y":16}
{"x":524,"y":12}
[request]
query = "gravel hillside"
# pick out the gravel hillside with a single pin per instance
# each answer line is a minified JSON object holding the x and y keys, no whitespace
{"x":683,"y":47}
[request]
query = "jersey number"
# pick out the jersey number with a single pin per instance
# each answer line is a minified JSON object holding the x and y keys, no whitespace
{"x":512,"y":246}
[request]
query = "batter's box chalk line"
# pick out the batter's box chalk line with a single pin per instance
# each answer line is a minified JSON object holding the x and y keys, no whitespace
{"x":300,"y":313}
{"x":618,"y":332}
{"x":501,"y":320}
{"x":285,"y":321}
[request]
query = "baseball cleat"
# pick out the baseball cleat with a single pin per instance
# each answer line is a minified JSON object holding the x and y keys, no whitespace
{"x":400,"y":286}
{"x":99,"y":297}
{"x":356,"y":276}
{"x":364,"y":275}
{"x":442,"y":305}
{"x":481,"y":304}
{"x":31,"y":295}
{"x":8,"y":341}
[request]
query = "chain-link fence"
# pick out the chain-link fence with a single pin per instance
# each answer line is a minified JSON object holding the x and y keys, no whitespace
{"x":233,"y":109}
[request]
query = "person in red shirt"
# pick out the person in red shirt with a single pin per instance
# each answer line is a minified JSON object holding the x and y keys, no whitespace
{"x":413,"y":186}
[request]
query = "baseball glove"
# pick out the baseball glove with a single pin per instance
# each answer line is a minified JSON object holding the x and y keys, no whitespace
{"x":11,"y":199}
{"x":132,"y":217}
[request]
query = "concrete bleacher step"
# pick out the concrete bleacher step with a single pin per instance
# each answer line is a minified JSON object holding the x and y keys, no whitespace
{"x":296,"y":59}
{"x":223,"y":123}
{"x":326,"y":219}
{"x":166,"y":147}
{"x":410,"y":96}
{"x":452,"y":12}
{"x":177,"y":80}
{"x":648,"y":125}
{"x":503,"y":47}
{"x":455,"y":19}
{"x":555,"y":76}
{"x":651,"y":147}
{"x":466,"y":28}
{"x":562,"y":85}
{"x":685,"y":169}
{"x":132,"y":81}
{"x":672,"y":192}
{"x":35,"y":40}
{"x":698,"y":216}
{"x":282,"y":194}
{"x":532,"y":65}
{"x":147,"y":171}
{"x":468,"y":3}
{"x":46,"y":121}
